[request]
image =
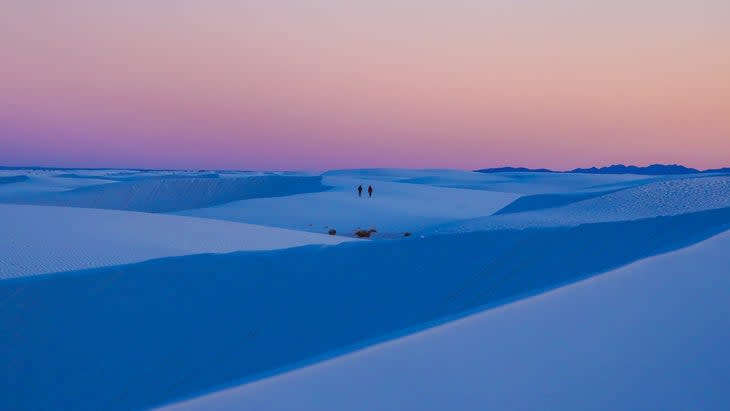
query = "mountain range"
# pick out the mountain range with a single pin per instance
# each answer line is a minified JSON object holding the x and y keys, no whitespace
{"x":654,"y":169}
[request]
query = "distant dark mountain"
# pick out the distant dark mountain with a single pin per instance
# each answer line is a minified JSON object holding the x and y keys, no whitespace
{"x":654,"y":169}
{"x":718,"y":170}
{"x":515,"y":170}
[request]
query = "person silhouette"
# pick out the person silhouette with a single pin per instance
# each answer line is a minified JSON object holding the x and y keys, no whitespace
{"x":359,"y":191}
{"x":370,"y":191}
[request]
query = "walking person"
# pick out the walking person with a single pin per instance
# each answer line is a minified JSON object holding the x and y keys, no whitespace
{"x":370,"y":191}
{"x":359,"y":191}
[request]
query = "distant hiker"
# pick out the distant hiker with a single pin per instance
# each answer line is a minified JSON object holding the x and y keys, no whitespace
{"x":359,"y":191}
{"x":370,"y":191}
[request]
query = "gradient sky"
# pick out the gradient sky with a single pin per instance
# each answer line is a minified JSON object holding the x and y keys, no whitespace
{"x":316,"y":84}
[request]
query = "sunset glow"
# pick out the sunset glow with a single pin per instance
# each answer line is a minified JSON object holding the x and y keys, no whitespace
{"x":320,"y":84}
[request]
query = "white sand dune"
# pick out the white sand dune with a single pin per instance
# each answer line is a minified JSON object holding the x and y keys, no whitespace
{"x":649,"y":336}
{"x":40,"y":239}
{"x":173,"y":193}
{"x":154,"y":332}
{"x":43,"y":183}
{"x":652,"y":335}
{"x":662,"y":198}
{"x":394,"y":208}
{"x":510,"y":182}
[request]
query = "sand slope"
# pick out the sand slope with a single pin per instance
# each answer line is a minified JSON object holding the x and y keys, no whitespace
{"x":652,"y":335}
{"x":662,"y":198}
{"x":394,"y":209}
{"x":40,"y":239}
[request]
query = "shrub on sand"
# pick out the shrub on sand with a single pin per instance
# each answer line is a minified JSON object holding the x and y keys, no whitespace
{"x":365,"y":233}
{"x":332,"y":231}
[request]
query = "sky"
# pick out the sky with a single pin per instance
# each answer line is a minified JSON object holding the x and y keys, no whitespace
{"x":318,"y":84}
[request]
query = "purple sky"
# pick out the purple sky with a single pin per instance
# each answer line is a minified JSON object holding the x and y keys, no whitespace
{"x":283,"y":84}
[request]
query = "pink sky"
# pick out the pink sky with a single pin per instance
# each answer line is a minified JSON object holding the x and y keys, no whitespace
{"x":287,"y":84}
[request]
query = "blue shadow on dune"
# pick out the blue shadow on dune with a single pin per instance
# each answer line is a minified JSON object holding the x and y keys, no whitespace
{"x":141,"y":335}
{"x":543,"y":201}
{"x":12,"y":179}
